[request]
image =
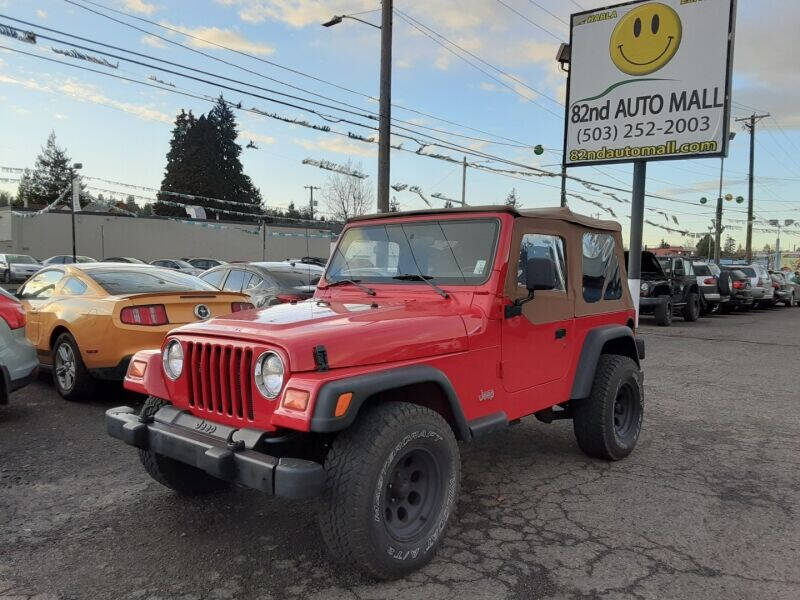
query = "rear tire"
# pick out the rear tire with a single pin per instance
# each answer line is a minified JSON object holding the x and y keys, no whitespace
{"x":392,"y":485}
{"x":790,"y":303}
{"x":607,"y":424}
{"x":183,"y":478}
{"x":7,"y":276}
{"x":663,"y":312}
{"x":691,"y":312}
{"x":70,"y":376}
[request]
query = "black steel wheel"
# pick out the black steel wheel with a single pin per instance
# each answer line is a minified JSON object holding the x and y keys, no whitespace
{"x":412,"y":494}
{"x":626,"y":411}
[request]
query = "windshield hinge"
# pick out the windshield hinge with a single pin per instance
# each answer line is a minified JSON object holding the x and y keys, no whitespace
{"x":321,"y":358}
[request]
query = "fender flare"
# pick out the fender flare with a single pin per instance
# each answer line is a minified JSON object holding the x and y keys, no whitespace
{"x":364,"y":386}
{"x":593,"y":345}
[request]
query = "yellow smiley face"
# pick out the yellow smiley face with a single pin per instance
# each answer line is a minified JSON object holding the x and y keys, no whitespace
{"x":645,"y":39}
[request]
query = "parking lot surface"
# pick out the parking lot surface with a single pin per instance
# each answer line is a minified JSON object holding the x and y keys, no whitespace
{"x":706,"y":507}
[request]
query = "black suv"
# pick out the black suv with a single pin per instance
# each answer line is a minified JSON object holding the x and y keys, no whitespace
{"x":668,"y":284}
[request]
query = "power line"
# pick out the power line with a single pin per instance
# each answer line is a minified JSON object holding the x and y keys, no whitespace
{"x":548,"y":12}
{"x":273,"y":64}
{"x":532,"y":22}
{"x":422,"y":29}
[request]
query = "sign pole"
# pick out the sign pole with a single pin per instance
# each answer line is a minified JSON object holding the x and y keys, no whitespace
{"x":637,"y":224}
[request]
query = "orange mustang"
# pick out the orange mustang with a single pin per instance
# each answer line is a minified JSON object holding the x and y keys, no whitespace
{"x":86,"y":320}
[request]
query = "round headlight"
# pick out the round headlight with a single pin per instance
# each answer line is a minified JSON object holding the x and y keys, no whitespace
{"x":644,"y":287}
{"x":268,"y":374}
{"x":172,"y":357}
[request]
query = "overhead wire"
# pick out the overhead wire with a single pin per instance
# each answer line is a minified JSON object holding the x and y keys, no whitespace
{"x":531,"y":21}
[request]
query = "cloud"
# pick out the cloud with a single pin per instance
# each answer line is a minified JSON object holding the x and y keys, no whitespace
{"x":256,"y":137}
{"x":138,"y":6}
{"x":297,"y":13}
{"x":208,"y":36}
{"x":85,"y":92}
{"x":337,"y":145}
{"x":42,"y":14}
{"x":151,"y":40}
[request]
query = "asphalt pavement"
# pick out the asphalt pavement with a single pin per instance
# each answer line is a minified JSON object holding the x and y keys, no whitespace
{"x":706,"y":507}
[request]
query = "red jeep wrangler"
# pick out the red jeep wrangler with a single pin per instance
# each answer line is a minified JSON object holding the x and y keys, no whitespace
{"x":428,"y":328}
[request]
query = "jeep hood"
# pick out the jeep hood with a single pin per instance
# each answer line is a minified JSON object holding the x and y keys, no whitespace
{"x":651,"y":268}
{"x":353,"y":333}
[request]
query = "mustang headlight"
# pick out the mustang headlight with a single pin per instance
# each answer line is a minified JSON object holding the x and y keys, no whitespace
{"x":172,"y":357}
{"x":268,"y":374}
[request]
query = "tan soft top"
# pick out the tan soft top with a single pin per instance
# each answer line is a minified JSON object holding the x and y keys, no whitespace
{"x":555,"y":213}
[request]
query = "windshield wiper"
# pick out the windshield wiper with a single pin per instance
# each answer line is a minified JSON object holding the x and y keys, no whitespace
{"x":420,"y":277}
{"x":355,"y":282}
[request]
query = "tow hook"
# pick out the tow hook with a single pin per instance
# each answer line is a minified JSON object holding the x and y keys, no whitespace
{"x":234,"y":445}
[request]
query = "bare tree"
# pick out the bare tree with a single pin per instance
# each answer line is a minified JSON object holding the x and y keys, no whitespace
{"x":346,"y":196}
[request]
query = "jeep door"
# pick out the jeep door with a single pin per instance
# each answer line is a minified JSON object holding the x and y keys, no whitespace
{"x":536,"y":346}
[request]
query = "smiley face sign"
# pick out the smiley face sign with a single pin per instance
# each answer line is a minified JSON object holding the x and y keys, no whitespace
{"x":646,"y":39}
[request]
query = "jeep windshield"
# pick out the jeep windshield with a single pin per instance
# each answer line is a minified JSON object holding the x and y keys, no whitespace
{"x":458,"y":252}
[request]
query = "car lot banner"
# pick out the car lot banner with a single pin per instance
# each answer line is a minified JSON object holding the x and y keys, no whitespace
{"x":649,"y":81}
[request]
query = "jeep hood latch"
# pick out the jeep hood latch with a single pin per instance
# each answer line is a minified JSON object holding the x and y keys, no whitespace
{"x":321,"y":358}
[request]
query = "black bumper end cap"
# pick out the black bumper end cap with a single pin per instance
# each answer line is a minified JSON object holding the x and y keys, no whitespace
{"x":640,"y":347}
{"x":296,"y":478}
{"x":123,"y":423}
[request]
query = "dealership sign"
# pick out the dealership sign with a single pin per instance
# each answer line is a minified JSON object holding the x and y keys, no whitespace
{"x":649,"y":81}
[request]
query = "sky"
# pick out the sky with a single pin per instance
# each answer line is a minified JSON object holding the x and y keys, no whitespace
{"x":120,"y":130}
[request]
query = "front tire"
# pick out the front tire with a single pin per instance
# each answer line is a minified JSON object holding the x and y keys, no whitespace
{"x":70,"y":376}
{"x":607,"y":424}
{"x":663,"y":312}
{"x":392,"y":483}
{"x":790,"y":303}
{"x":691,"y":312}
{"x":184,"y":479}
{"x":7,"y":276}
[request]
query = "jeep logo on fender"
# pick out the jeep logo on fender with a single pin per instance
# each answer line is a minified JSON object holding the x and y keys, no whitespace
{"x":205,"y":427}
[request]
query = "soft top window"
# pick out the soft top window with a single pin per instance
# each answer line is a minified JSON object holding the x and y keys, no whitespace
{"x":601,"y":277}
{"x":129,"y":281}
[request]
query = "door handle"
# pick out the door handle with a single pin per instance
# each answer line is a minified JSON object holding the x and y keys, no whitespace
{"x":561,"y":333}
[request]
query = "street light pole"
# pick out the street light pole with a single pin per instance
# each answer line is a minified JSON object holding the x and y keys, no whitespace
{"x":76,"y":205}
{"x":385,"y":112}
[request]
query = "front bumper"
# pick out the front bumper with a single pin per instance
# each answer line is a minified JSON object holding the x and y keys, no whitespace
{"x":221,"y":451}
{"x":647,"y":304}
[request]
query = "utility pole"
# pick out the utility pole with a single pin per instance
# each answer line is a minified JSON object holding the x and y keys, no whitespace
{"x":311,"y":189}
{"x":750,"y":125}
{"x":464,"y":184}
{"x":76,"y":205}
{"x":563,"y":184}
{"x":384,"y":124}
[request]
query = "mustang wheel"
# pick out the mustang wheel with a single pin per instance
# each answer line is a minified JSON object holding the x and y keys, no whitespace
{"x":184,"y":479}
{"x":607,"y":423}
{"x":70,"y":376}
{"x":392,"y":484}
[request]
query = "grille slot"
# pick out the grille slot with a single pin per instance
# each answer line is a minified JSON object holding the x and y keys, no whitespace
{"x":218,"y":381}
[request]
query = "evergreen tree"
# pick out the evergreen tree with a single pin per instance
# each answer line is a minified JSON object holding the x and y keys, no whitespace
{"x":51,"y":174}
{"x":5,"y":199}
{"x":203,"y":160}
{"x":512,"y":199}
{"x":705,"y":247}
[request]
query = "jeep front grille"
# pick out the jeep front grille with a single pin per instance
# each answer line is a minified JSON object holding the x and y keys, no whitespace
{"x":219,"y":379}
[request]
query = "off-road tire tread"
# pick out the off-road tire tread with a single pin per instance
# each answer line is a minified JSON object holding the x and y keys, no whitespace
{"x":85,"y":384}
{"x":693,"y":300}
{"x":590,"y":425}
{"x":353,"y":453}
{"x":663,"y":314}
{"x":184,"y":479}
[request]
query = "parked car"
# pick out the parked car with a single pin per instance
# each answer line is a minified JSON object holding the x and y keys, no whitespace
{"x":668,"y":285}
{"x":66,"y":259}
{"x":204,"y":264}
{"x":124,"y":259}
{"x":176,"y":265}
{"x":758,"y":284}
{"x":266,"y":283}
{"x":361,"y":395}
{"x":87,"y":320}
{"x":17,"y":267}
{"x":18,"y":361}
{"x":793,"y":279}
{"x":714,"y":285}
{"x":783,"y":289}
{"x":741,"y":290}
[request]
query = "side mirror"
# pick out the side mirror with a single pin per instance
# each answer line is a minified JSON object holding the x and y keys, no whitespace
{"x":540,"y":274}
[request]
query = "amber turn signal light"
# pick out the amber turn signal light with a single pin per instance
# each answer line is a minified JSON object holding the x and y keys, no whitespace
{"x":343,"y":403}
{"x":137,"y":369}
{"x":295,"y":400}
